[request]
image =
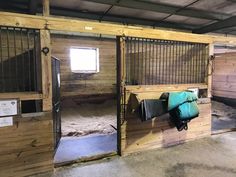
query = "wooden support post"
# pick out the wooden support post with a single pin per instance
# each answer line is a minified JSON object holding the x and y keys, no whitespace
{"x":209,"y":79}
{"x":46,"y":70}
{"x":46,"y":8}
{"x":120,"y":44}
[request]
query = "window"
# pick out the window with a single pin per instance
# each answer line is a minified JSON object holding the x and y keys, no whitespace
{"x":84,"y":60}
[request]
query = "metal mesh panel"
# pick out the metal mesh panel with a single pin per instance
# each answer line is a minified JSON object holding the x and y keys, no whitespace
{"x":19,"y":60}
{"x":150,"y":62}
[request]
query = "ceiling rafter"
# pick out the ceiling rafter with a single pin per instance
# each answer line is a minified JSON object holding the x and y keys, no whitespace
{"x":227,"y":23}
{"x":164,"y":8}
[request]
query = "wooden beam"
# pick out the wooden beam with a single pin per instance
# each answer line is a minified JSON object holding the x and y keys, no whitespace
{"x":69,"y":25}
{"x":46,"y":70}
{"x":46,"y":8}
{"x":22,"y":95}
{"x":210,"y":72}
{"x":147,"y":88}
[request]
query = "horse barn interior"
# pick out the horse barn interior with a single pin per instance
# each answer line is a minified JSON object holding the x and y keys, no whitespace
{"x":117,"y":88}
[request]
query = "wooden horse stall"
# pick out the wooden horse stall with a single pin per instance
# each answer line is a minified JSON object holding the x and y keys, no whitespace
{"x":150,"y":67}
{"x":26,"y":142}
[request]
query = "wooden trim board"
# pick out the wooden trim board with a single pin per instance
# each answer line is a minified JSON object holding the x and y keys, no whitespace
{"x":22,"y":95}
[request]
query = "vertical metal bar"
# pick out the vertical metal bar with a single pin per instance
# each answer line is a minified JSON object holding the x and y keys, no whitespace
{"x":34,"y":61}
{"x":29,"y":60}
{"x":189,"y":63}
{"x":23,"y":62}
{"x":159,"y":63}
{"x":153,"y":61}
{"x":200,"y":64}
{"x":145,"y":63}
{"x":134,"y":63}
{"x":129,"y":61}
{"x":182,"y":62}
{"x":174,"y":62}
{"x":170,"y":69}
{"x":138,"y":69}
{"x":149,"y":62}
{"x":119,"y":95}
{"x":166,"y":62}
{"x":205,"y":61}
{"x":9,"y":88}
{"x":186,"y":63}
{"x":156,"y":60}
{"x":16,"y":58}
{"x":194,"y":64}
{"x":175,"y":50}
{"x":2,"y":67}
{"x":142,"y":63}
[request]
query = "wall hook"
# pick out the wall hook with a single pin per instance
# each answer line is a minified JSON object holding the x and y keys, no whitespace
{"x":45,"y":50}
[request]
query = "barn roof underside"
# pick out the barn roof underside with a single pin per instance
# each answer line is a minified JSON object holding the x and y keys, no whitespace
{"x":198,"y":16}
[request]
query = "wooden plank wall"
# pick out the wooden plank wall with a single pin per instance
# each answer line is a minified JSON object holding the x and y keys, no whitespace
{"x":139,"y":136}
{"x":27,"y":146}
{"x":75,"y":84}
{"x":224,"y":75}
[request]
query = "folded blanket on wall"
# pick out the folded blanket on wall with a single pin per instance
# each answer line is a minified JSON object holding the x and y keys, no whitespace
{"x":151,"y":108}
{"x":182,"y":107}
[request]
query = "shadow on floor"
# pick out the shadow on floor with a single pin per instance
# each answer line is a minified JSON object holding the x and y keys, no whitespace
{"x":76,"y":149}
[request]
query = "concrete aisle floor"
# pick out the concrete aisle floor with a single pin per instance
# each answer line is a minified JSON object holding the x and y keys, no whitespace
{"x":208,"y":157}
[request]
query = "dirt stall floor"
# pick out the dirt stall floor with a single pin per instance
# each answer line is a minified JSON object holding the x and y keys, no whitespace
{"x":100,"y":118}
{"x":88,"y":118}
{"x":223,"y":116}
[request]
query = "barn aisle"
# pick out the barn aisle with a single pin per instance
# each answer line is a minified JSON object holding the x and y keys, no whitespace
{"x":213,"y":156}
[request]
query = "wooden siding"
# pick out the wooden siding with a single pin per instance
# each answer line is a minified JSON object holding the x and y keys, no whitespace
{"x":224,"y":75}
{"x":75,"y":84}
{"x":138,"y":136}
{"x":27,"y":146}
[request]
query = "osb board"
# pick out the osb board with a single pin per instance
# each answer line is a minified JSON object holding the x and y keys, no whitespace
{"x":74,"y":84}
{"x":224,"y":77}
{"x":138,"y":136}
{"x":26,"y":148}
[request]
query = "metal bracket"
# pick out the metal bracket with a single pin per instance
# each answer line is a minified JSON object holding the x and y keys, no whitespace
{"x":45,"y":50}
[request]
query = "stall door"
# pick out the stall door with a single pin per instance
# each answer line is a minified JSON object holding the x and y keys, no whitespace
{"x":56,"y":101}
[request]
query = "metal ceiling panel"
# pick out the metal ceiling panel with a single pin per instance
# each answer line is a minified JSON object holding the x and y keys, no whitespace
{"x":188,"y":20}
{"x":80,"y":5}
{"x":137,"y":13}
{"x":220,"y":6}
{"x":181,"y":3}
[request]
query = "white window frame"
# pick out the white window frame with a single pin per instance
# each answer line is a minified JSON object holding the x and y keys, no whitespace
{"x":86,"y":71}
